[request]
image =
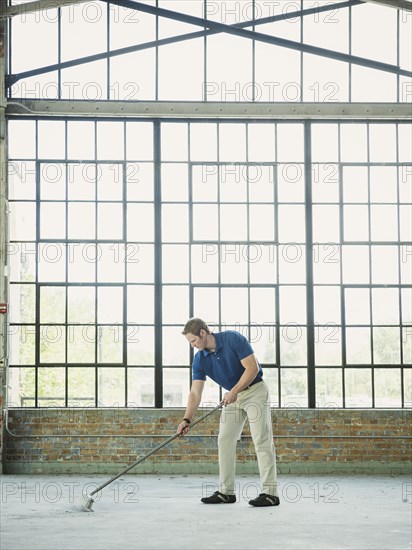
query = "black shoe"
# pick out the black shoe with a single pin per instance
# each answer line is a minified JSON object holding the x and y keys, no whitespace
{"x":219,"y":498}
{"x":265,"y":500}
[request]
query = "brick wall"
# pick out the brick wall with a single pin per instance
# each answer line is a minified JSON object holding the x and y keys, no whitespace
{"x":307,"y":441}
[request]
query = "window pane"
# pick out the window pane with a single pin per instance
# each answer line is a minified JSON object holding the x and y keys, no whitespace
{"x":80,"y":140}
{"x":52,"y":304}
{"x":81,"y":344}
{"x":176,"y":385}
{"x":325,"y":142}
{"x":261,"y":222}
{"x":262,"y":306}
{"x":52,"y":220}
{"x":382,"y":142}
{"x":232,"y":142}
{"x":81,"y":181}
{"x":388,"y":388}
{"x":175,"y":304}
{"x":326,"y":224}
{"x":140,"y":304}
{"x":292,"y":263}
{"x":111,"y":387}
{"x":327,"y":305}
{"x":233,"y":222}
{"x":175,"y":347}
{"x":293,"y":346}
{"x":290,"y":181}
{"x":292,"y":304}
{"x":357,"y":306}
{"x":204,"y":266}
{"x":385,"y":306}
{"x":110,"y":221}
{"x":233,"y":183}
{"x":82,"y":262}
{"x":109,"y":305}
{"x":110,"y":344}
{"x":384,"y":223}
{"x":261,"y":183}
{"x":22,"y":345}
{"x":110,"y":140}
{"x":262,"y":262}
{"x":51,"y":387}
{"x":22,"y":221}
{"x":386,"y":346}
{"x":358,"y":388}
{"x":140,"y":387}
{"x":358,"y":345}
{"x":52,"y":181}
{"x":385,"y":265}
{"x":175,"y":263}
{"x":52,"y":344}
{"x":205,"y":224}
{"x":139,"y":181}
{"x":383,"y":184}
{"x":175,"y":223}
{"x":140,"y":345}
{"x":22,"y":139}
{"x":140,"y":263}
{"x":174,"y":144}
{"x":329,"y":388}
{"x":82,"y":220}
{"x":81,"y":304}
{"x":51,"y":139}
{"x":328,"y":345}
{"x":203,"y":142}
{"x":291,"y":224}
{"x":263,"y":340}
{"x":293,"y":387}
{"x":174,"y":182}
{"x":22,"y":303}
{"x":356,"y":223}
{"x":353,"y":143}
{"x":204,"y":183}
{"x":81,"y":387}
{"x":233,"y":263}
{"x":109,"y":182}
{"x":140,"y":222}
{"x":355,"y":184}
{"x":326,"y":263}
{"x":206,"y":304}
{"x":290,"y":141}
{"x":355,"y":264}
{"x":234,"y":306}
{"x":325,"y":183}
{"x":139,"y":139}
{"x":261,"y":140}
{"x":51,"y":262}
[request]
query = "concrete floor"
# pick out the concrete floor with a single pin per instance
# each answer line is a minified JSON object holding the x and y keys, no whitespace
{"x":164,"y":512}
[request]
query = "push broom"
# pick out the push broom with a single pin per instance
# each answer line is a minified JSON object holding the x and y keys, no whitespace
{"x":88,"y":506}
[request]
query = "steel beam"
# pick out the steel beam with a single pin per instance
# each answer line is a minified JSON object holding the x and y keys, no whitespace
{"x":33,"y":7}
{"x":209,"y":109}
{"x":397,"y":4}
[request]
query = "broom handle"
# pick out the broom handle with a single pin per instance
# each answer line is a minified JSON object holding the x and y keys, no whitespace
{"x":171,"y":438}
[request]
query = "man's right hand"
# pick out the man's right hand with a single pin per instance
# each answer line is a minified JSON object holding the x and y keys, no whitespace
{"x":183,"y":428}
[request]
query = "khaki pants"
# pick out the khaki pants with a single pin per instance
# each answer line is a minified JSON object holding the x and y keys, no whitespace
{"x":253,"y":404}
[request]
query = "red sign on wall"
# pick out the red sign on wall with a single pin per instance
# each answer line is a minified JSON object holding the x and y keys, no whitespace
{"x":3,"y":308}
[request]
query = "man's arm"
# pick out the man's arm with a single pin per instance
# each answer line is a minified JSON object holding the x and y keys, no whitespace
{"x":251,"y":367}
{"x":193,"y":403}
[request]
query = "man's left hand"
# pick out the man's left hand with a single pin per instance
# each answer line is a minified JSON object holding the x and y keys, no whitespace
{"x":229,"y":397}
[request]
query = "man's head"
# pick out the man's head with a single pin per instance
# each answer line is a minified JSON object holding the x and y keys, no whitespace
{"x":196,"y":332}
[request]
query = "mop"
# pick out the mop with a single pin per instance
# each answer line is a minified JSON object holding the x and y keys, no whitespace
{"x":88,"y":506}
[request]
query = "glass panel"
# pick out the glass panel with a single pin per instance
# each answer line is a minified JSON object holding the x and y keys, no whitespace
{"x":233,"y":222}
{"x":325,"y":143}
{"x":293,"y":345}
{"x":384,"y":184}
{"x":132,"y":76}
{"x":52,"y":344}
{"x":110,"y":221}
{"x":233,"y":263}
{"x":232,"y":141}
{"x":405,"y":142}
{"x":328,"y":345}
{"x":21,"y":180}
{"x":293,"y":387}
{"x":353,"y":143}
{"x":52,"y":220}
{"x":51,"y":260}
{"x":81,"y":387}
{"x":175,"y":263}
{"x":52,"y":181}
{"x":110,"y":263}
{"x":176,"y":388}
{"x":384,"y":223}
{"x":326,"y":80}
{"x":262,"y":306}
{"x":140,"y":345}
{"x":175,"y":347}
{"x":174,"y":182}
{"x":327,"y":305}
{"x":261,"y":222}
{"x":233,"y":183}
{"x":385,"y":306}
{"x":277,"y":80}
{"x":51,"y":387}
{"x":386,"y":346}
{"x":291,"y":223}
{"x":140,"y":387}
{"x":406,"y":264}
{"x":140,"y":222}
{"x":234,"y":306}
{"x":326,"y":263}
{"x":358,"y":388}
{"x":388,"y":388}
{"x":406,"y":295}
{"x":139,"y":137}
{"x":205,"y":222}
{"x":405,"y":213}
{"x":355,"y":184}
{"x":262,"y":263}
{"x":109,"y":182}
{"x":174,"y":145}
{"x":109,"y":305}
{"x":22,"y":345}
{"x":292,"y":263}
{"x":80,"y":140}
{"x":206,"y":304}
{"x":203,"y":142}
{"x":355,"y":264}
{"x":356,"y":223}
{"x":204,"y":263}
{"x":382,"y":142}
{"x":357,"y":306}
{"x":22,"y":303}
{"x":326,"y":224}
{"x":81,"y":181}
{"x":140,"y":304}
{"x":358,"y":345}
{"x":81,"y":344}
{"x":81,"y":304}
{"x":51,"y":139}
{"x":407,"y":346}
{"x":110,"y":140}
{"x":22,"y":382}
{"x":263,"y":341}
{"x":140,"y":263}
{"x":325,"y":183}
{"x":291,"y":183}
{"x":407,"y":387}
{"x":272,"y":380}
{"x":290,"y":139}
{"x":110,"y":344}
{"x":369,"y":85}
{"x":82,"y":262}
{"x":22,"y":221}
{"x":175,"y":223}
{"x":21,"y":138}
{"x":204,"y":183}
{"x":261,"y":142}
{"x":52,"y":304}
{"x":329,"y":388}
{"x":292,"y":304}
{"x":175,"y":304}
{"x":261,"y":183}
{"x":139,"y":181}
{"x":111,"y":387}
{"x":21,"y":258}
{"x":385,"y":265}
{"x":82,"y":220}
{"x":384,"y":25}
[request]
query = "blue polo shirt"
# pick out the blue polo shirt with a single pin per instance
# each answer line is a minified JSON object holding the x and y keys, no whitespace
{"x":223,"y":365}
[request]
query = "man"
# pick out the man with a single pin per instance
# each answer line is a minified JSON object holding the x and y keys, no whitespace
{"x":227,"y":358}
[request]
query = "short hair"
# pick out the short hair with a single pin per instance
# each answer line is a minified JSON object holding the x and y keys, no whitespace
{"x":194,"y":326}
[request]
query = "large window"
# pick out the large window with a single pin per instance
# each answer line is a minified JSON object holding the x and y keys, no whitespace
{"x":97,"y":50}
{"x":296,"y":234}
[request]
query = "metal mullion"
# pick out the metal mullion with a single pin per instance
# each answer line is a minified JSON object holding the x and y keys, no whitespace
{"x":370,"y":270}
{"x":125,"y":281}
{"x":342,"y":289}
{"x":350,"y":53}
{"x":301,"y":75}
{"x":66,"y":370}
{"x":157,"y":55}
{"x":97,"y":330}
{"x":59,"y":54}
{"x":248,"y":222}
{"x":108,"y":52}
{"x":158,"y":266}
{"x":309,"y":269}
{"x":190,"y":239}
{"x":275,"y":167}
{"x":204,"y":61}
